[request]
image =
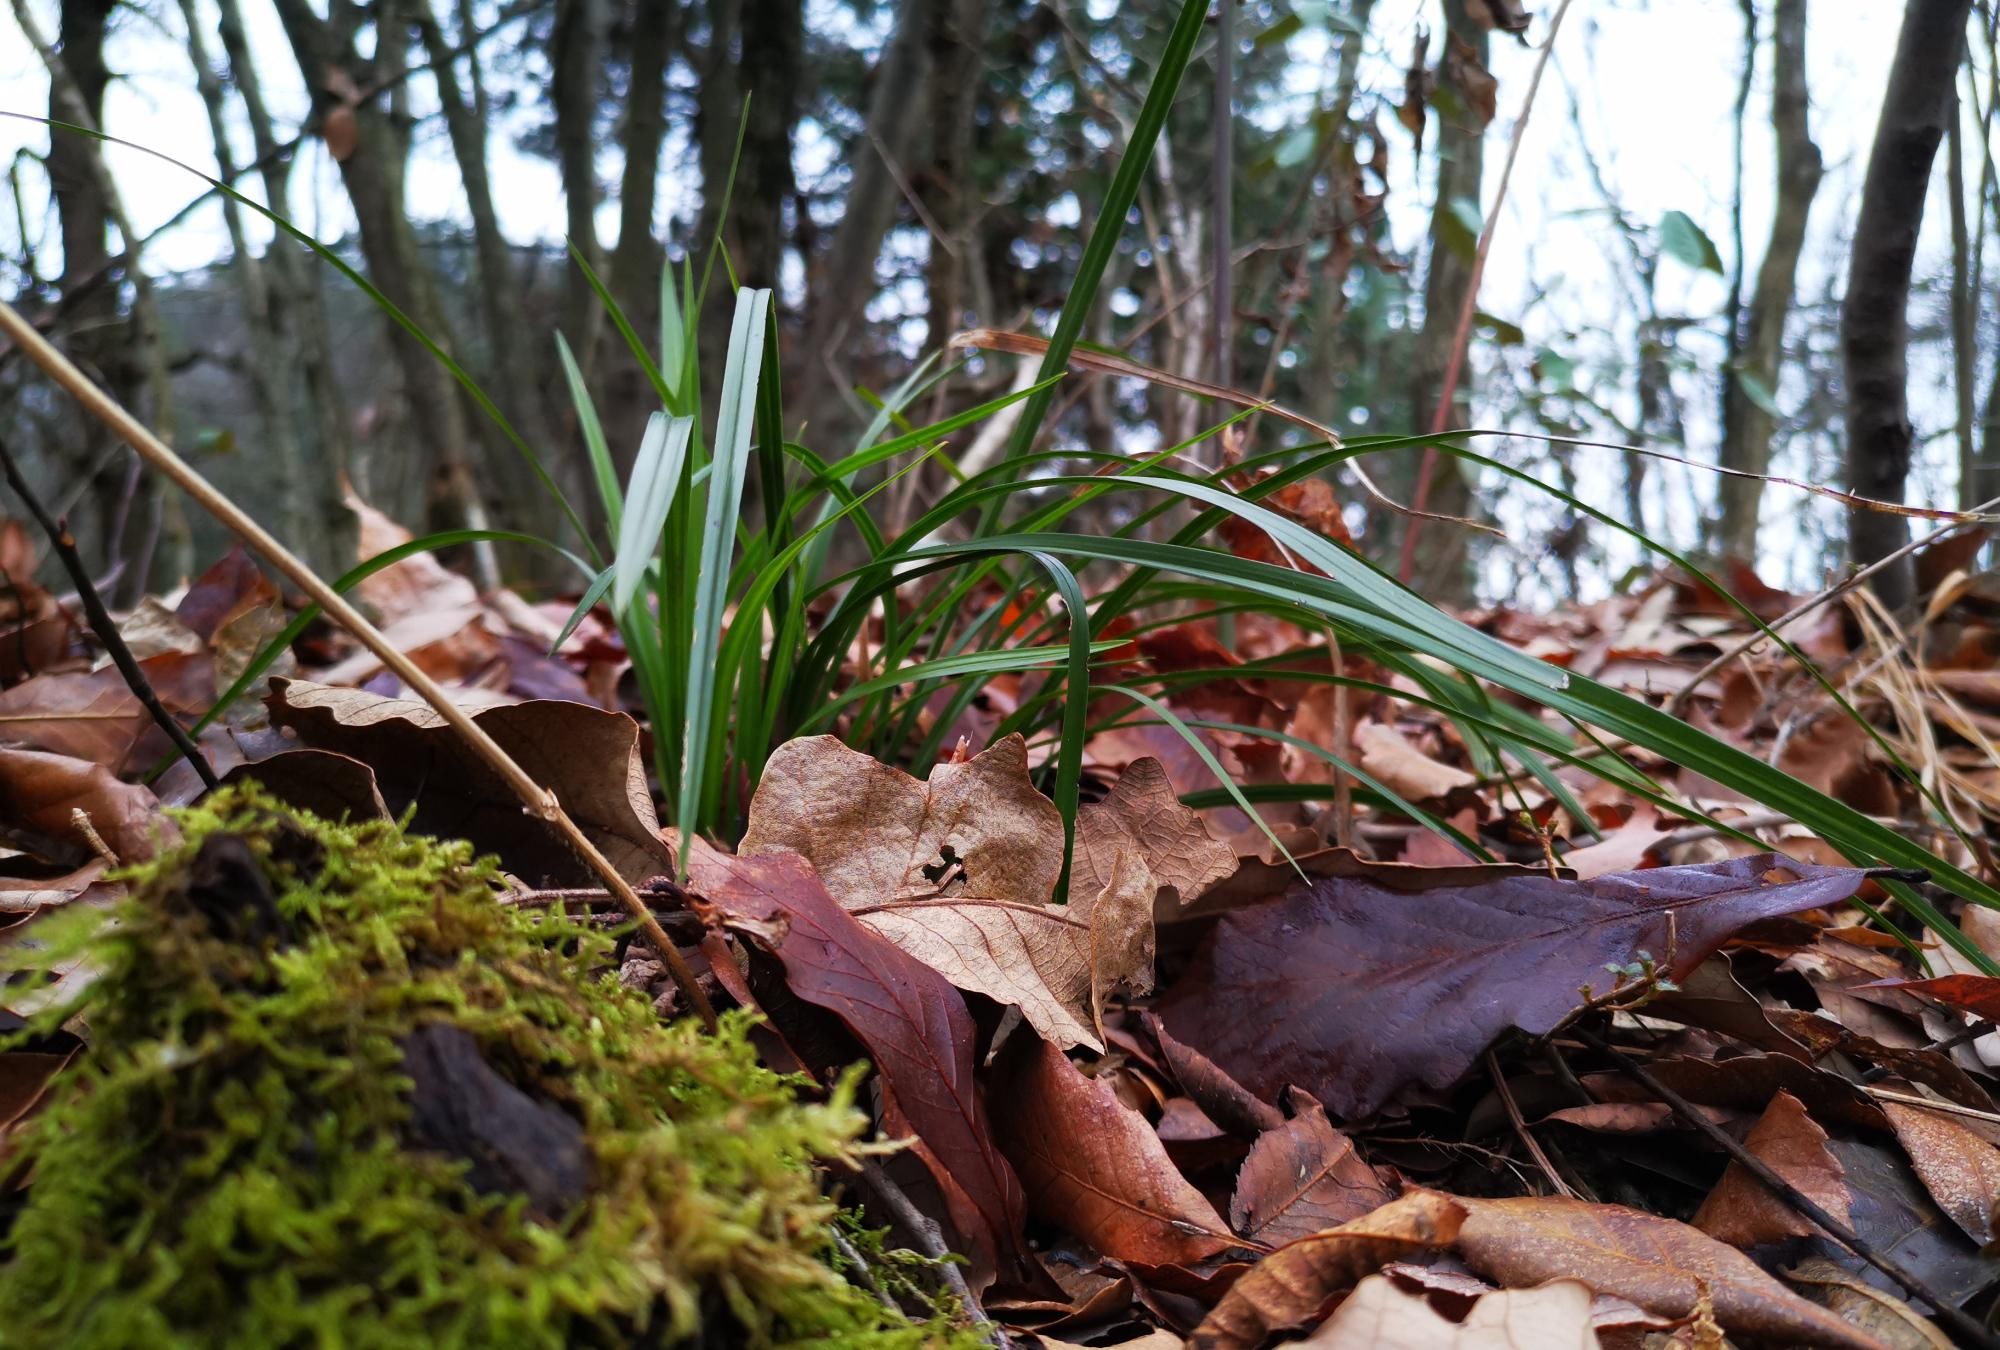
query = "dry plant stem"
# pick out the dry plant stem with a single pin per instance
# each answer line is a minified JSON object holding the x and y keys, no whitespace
{"x":536,"y":799}
{"x":1933,"y":1104}
{"x":100,"y":621}
{"x":930,"y":1239}
{"x":1807,"y":606}
{"x":1962,"y":1325}
{"x":1441,"y":415}
{"x":1522,"y":1131}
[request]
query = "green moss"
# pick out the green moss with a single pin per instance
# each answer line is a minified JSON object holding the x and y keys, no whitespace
{"x":233,"y":1163}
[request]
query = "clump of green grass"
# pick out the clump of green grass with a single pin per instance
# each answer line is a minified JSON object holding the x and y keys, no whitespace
{"x":714,"y":612}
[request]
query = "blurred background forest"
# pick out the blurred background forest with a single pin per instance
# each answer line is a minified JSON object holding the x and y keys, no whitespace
{"x":1668,"y":266}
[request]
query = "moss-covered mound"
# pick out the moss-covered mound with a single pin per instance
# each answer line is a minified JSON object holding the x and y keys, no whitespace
{"x":337,"y":1096}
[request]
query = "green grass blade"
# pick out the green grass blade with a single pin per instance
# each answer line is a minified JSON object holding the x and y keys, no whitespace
{"x":735,"y":423}
{"x":1110,"y":223}
{"x":601,"y":467}
{"x":656,"y":476}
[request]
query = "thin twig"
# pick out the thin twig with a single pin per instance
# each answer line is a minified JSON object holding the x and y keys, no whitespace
{"x":1441,"y":414}
{"x":100,"y":620}
{"x":1521,"y":1130}
{"x":1961,"y":1323}
{"x":1807,"y":606}
{"x":1932,"y":1104}
{"x":930,"y":1240}
{"x":540,"y":802}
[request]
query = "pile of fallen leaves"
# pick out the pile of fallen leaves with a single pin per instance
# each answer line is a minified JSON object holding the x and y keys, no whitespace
{"x":1629,"y":1079}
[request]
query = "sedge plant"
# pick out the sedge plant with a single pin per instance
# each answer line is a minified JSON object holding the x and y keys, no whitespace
{"x":741,"y":633}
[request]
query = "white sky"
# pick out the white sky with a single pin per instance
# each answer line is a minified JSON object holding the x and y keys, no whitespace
{"x":1654,"y":82}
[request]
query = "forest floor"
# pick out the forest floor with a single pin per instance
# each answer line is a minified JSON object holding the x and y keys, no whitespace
{"x":1634,"y":1076}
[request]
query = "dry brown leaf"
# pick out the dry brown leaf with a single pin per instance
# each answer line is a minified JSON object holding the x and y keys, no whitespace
{"x":1093,"y":1165}
{"x":1662,"y":1265}
{"x":1743,"y":1212}
{"x":1379,"y":1316}
{"x":875,"y":834}
{"x":1056,"y":963}
{"x":589,"y":758}
{"x":960,"y":871}
{"x":39,"y":792}
{"x":1895,"y":1323}
{"x":411,"y":586}
{"x":1388,"y":755}
{"x":1291,"y":1286}
{"x":1302,"y":1178}
{"x":95,"y":716}
{"x":1143,"y":812}
{"x":1959,"y":1168}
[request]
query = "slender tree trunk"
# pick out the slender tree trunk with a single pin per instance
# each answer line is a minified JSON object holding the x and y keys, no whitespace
{"x":577,"y":54}
{"x":78,"y":99}
{"x":1749,"y":427}
{"x":373,"y":176}
{"x":1445,"y":574}
{"x":636,"y":263}
{"x":1874,"y":319}
{"x":1964,"y":318}
{"x":496,"y":282}
{"x":297,"y":303}
{"x":265,"y":357}
{"x":843,"y":280}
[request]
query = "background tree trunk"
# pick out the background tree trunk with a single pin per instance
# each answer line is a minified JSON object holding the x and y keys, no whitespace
{"x":1747,"y":426}
{"x":373,"y":176}
{"x":1444,"y":574}
{"x":297,"y":302}
{"x":843,"y":280}
{"x":1874,"y":318}
{"x":577,"y":53}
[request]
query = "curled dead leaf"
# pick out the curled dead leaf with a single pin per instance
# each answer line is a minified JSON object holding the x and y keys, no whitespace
{"x":1093,"y":1165}
{"x":1662,"y":1265}
{"x":1291,"y":1286}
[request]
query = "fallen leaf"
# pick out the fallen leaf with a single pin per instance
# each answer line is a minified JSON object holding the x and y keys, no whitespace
{"x":1224,"y":1100}
{"x":1380,"y":1316}
{"x":1291,"y":1286}
{"x":95,"y":716}
{"x":876,"y":835}
{"x":912,"y":1021}
{"x":1301,"y":1178}
{"x":1743,"y":1212}
{"x":40,"y":791}
{"x":960,"y":871}
{"x":1142,"y":812}
{"x":1660,"y":1264}
{"x":1746,"y":1084}
{"x":1056,"y":963}
{"x":1351,"y":990}
{"x":413,"y":585}
{"x":1881,"y":1314}
{"x":25,"y":1076}
{"x":588,"y":757}
{"x":332,"y":786}
{"x":1959,"y":1168}
{"x":1624,"y":849}
{"x":1094,"y":1166}
{"x":1388,"y":755}
{"x":231,"y":588}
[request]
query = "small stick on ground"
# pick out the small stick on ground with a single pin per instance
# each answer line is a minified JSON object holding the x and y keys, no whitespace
{"x":1521,"y":1129}
{"x":930,"y":1241}
{"x":1963,"y":1325}
{"x":100,"y":621}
